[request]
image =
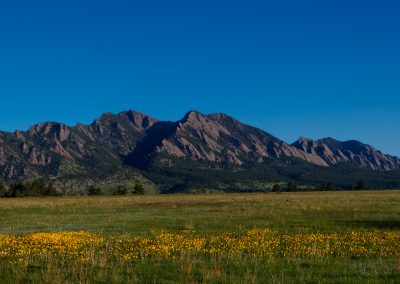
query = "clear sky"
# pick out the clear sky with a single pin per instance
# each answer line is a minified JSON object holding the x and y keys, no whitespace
{"x":293,"y":68}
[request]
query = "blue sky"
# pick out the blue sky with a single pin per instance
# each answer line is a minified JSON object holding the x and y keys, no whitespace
{"x":310,"y":68}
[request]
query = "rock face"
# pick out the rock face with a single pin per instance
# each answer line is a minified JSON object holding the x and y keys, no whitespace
{"x":222,"y":139}
{"x":132,"y":138}
{"x":45,"y":147}
{"x":333,"y":152}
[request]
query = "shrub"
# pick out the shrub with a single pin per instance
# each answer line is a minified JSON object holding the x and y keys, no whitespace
{"x":3,"y":190}
{"x":37,"y":187}
{"x":52,"y":191}
{"x":138,"y":189}
{"x":16,"y":190}
{"x":93,"y":190}
{"x":361,"y":185}
{"x":292,"y":187}
{"x":121,"y":190}
{"x":330,"y":186}
{"x":277,"y":188}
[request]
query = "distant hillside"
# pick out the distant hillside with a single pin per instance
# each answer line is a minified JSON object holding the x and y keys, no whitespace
{"x":197,"y":151}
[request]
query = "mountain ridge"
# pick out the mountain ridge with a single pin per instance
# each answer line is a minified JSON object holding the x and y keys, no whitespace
{"x":134,"y":139}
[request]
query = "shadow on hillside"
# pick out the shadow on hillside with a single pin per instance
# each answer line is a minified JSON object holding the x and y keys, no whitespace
{"x":368,"y":224}
{"x":154,"y":137}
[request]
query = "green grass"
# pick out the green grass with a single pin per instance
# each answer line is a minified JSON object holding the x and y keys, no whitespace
{"x":138,"y":215}
{"x":213,"y":271}
{"x":324,"y":212}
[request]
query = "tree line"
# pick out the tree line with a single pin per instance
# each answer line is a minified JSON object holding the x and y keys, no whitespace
{"x":292,"y":187}
{"x":39,"y":187}
{"x":138,"y":189}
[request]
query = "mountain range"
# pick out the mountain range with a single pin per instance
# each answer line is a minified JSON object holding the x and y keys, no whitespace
{"x":197,"y":151}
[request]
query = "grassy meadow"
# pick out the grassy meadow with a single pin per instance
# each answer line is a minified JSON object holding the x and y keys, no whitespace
{"x":312,"y":237}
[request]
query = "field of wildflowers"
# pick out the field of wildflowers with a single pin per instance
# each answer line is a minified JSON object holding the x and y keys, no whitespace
{"x":326,"y":237}
{"x":87,"y":247}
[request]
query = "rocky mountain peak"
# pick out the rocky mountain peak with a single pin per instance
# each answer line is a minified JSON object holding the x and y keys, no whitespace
{"x":127,"y":119}
{"x":202,"y":125}
{"x":50,"y":130}
{"x":303,"y":142}
{"x":191,"y":116}
{"x":140,"y":120}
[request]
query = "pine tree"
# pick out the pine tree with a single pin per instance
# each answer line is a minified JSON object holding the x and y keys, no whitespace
{"x":121,"y":190}
{"x":292,"y":187}
{"x":276,"y":188}
{"x":93,"y":190}
{"x":17,"y":190}
{"x":361,"y":185}
{"x":51,"y":190}
{"x":138,"y":189}
{"x":3,"y":190}
{"x":330,"y":186}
